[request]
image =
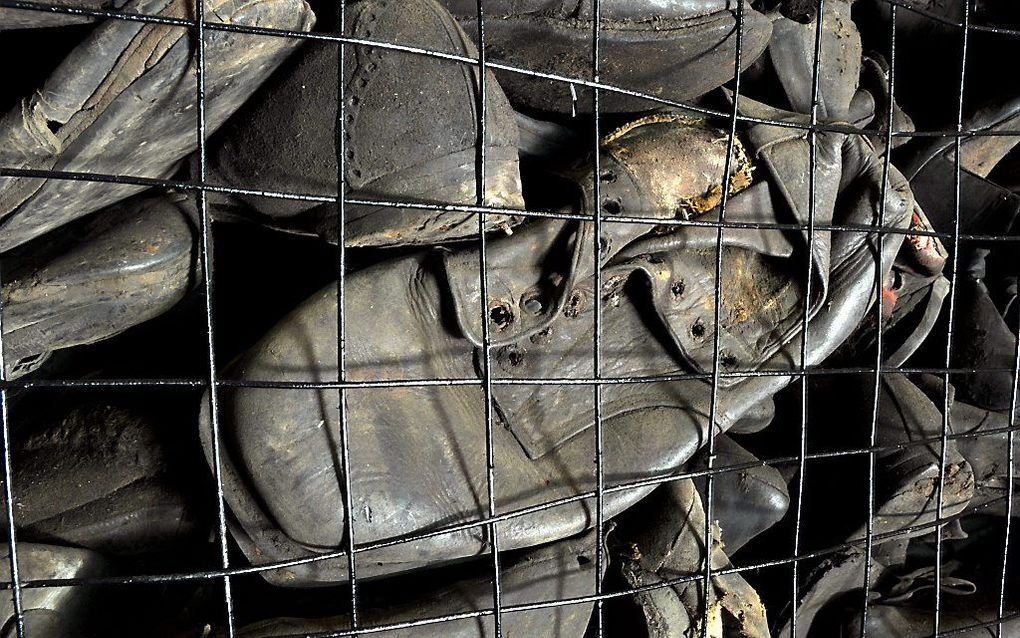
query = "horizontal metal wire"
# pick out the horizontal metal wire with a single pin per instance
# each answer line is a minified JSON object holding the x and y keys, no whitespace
{"x":466,"y":208}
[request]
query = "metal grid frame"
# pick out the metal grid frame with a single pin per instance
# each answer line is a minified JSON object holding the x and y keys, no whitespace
{"x":197,"y":29}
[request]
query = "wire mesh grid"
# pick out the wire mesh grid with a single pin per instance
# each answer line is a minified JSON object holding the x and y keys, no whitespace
{"x":227,"y":572}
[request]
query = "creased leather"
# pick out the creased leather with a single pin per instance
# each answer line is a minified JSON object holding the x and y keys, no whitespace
{"x":281,"y":477}
{"x":651,"y":168}
{"x":123,"y":103}
{"x":53,"y":612}
{"x":558,"y":571}
{"x":410,"y":134}
{"x":673,"y":545}
{"x":278,"y":444}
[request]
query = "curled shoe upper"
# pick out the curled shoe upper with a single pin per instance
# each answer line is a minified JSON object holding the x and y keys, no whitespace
{"x":123,"y":103}
{"x":411,"y":133}
{"x":95,"y":278}
{"x":653,"y":168}
{"x":672,"y":545}
{"x":670,"y":49}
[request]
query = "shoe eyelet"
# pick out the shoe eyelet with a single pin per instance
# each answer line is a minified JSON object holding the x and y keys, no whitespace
{"x":727,"y":360}
{"x":575,"y":303}
{"x":677,"y":289}
{"x":698,"y":330}
{"x":612,"y":206}
{"x":515,"y":358}
{"x":532,"y":304}
{"x":509,"y":357}
{"x":501,"y":315}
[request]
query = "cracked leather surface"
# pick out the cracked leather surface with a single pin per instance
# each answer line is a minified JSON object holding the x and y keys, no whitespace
{"x":123,"y":103}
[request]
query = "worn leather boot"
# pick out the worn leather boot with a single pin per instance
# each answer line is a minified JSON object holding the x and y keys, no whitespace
{"x":51,"y":612}
{"x":411,"y":133}
{"x":558,"y":571}
{"x":95,"y":278}
{"x":102,"y":477}
{"x":670,"y":550}
{"x":123,"y":103}
{"x":673,"y":50}
{"x":541,"y":279}
{"x":279,"y":457}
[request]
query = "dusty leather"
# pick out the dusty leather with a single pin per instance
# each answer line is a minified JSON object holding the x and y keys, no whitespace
{"x":123,"y":103}
{"x":651,"y":168}
{"x":559,"y":571}
{"x":411,"y":133}
{"x":95,"y":278}
{"x":984,"y":443}
{"x":51,"y":612}
{"x":100,"y":477}
{"x":672,"y":545}
{"x":673,"y":50}
{"x":278,"y":443}
{"x":746,"y":501}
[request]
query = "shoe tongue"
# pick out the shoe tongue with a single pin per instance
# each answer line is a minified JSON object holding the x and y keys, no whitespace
{"x":786,"y":154}
{"x":646,"y":172}
{"x":529,"y":277}
{"x":793,"y":51}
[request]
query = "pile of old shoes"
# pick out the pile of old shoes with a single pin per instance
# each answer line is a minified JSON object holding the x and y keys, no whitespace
{"x":270,"y":298}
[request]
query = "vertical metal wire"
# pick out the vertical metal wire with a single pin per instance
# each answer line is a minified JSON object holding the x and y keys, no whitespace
{"x":1010,"y":477}
{"x":490,"y":458}
{"x":12,"y":543}
{"x":341,"y":312}
{"x":714,"y":403}
{"x":596,"y":74}
{"x":877,"y":389}
{"x":952,"y":321}
{"x":207,"y":272}
{"x":802,"y":454}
